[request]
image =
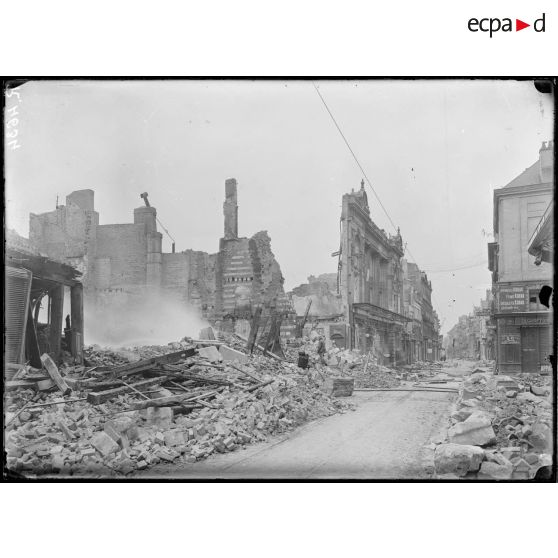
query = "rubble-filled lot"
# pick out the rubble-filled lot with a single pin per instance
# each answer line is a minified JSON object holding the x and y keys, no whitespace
{"x":501,"y":429}
{"x":130,"y":409}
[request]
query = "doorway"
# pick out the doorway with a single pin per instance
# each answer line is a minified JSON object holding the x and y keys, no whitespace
{"x":530,"y":349}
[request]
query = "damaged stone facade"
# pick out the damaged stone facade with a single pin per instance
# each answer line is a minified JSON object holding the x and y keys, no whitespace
{"x":120,"y":262}
{"x":377,"y":302}
{"x":371,"y":282}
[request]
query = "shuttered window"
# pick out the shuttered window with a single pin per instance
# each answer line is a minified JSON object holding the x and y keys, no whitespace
{"x":18,"y":288}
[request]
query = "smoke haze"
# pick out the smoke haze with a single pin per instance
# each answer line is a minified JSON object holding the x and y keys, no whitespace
{"x":151,"y":320}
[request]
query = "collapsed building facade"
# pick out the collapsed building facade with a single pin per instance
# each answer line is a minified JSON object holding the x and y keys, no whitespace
{"x":121,"y":263}
{"x":378,"y":303}
{"x":33,"y":282}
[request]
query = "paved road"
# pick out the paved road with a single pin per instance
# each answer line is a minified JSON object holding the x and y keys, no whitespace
{"x":383,"y":438}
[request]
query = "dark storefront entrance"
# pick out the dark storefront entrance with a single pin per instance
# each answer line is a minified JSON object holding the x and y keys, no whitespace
{"x":525,"y":341}
{"x":529,"y":349}
{"x":536,"y":346}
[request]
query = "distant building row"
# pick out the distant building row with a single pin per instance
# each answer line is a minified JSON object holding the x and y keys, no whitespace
{"x":474,"y":335}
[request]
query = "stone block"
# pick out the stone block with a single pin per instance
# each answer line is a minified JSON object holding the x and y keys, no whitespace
{"x":123,"y":424}
{"x":540,"y":391}
{"x":462,"y":414}
{"x":497,"y":457}
{"x":174,"y":438}
{"x":522,"y":470}
{"x":531,"y":458}
{"x":491,"y":470}
{"x":457,"y":459}
{"x":87,"y":452}
{"x":476,"y":431}
{"x":197,"y":452}
{"x":527,"y":397}
{"x":111,"y":431}
{"x":540,"y":437}
{"x":104,"y":444}
{"x":511,"y":452}
{"x":167,"y":455}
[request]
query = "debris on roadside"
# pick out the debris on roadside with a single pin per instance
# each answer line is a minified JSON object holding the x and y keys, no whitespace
{"x":509,"y":420}
{"x":127,"y":410}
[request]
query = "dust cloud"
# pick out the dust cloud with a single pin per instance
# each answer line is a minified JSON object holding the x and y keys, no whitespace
{"x":151,"y":320}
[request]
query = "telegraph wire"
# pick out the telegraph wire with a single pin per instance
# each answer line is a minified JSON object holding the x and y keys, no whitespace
{"x":354,"y":156}
{"x":363,"y":172}
{"x":360,"y":166}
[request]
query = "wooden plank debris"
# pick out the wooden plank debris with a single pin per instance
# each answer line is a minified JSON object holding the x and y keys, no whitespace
{"x":254,"y":327}
{"x":11,"y":385}
{"x":261,"y":385}
{"x":257,"y":380}
{"x":150,"y":363}
{"x":97,"y":397}
{"x":52,"y":370}
{"x":170,"y":400}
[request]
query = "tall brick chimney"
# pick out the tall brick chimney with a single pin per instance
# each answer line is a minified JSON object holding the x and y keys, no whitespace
{"x":230,"y":209}
{"x":546,"y":154}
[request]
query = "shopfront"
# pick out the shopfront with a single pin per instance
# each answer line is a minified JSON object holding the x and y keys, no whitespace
{"x":524,"y":329}
{"x":524,"y":342}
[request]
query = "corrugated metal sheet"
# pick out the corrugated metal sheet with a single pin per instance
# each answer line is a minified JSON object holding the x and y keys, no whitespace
{"x":18,"y":288}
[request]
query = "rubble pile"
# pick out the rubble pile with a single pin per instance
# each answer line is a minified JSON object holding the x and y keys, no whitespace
{"x":156,"y":407}
{"x":508,"y":418}
{"x":365,"y":370}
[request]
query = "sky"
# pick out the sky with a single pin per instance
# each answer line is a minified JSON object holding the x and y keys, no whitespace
{"x":434,"y":151}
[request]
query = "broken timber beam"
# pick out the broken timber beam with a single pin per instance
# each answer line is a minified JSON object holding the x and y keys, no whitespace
{"x":254,"y":327}
{"x":52,"y":370}
{"x":261,"y":385}
{"x":170,"y":400}
{"x":149,"y":363}
{"x":10,"y":385}
{"x":272,"y":355}
{"x":257,"y":380}
{"x":98,"y":397}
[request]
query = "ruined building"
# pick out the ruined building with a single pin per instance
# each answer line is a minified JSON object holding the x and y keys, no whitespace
{"x":121,"y":262}
{"x":371,"y":281}
{"x":377,"y":302}
{"x":247,"y":275}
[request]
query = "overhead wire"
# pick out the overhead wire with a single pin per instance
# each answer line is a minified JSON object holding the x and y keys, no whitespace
{"x":354,"y":157}
{"x":364,"y":173}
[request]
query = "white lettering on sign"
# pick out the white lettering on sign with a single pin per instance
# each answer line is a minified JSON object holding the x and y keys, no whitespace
{"x":12,"y":120}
